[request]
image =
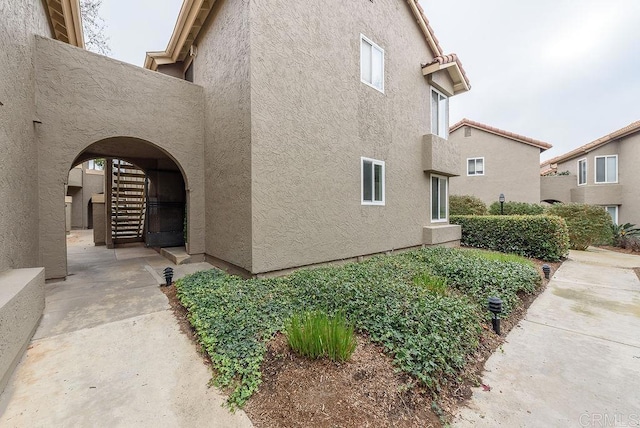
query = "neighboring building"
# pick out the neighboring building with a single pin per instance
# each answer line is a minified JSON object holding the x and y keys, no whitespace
{"x":603,"y":172}
{"x":312,"y":132}
{"x":85,"y":180}
{"x":494,"y":161}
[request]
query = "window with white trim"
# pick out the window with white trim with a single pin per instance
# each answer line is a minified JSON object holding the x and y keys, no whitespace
{"x":607,"y":169}
{"x":372,"y":178}
{"x":439,"y":114}
{"x":97,"y":164}
{"x":582,"y":172}
{"x":439,"y":198}
{"x":475,"y":166}
{"x":371,"y":64}
{"x":613,"y":212}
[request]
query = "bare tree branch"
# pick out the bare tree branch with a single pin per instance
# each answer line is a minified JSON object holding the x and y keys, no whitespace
{"x":93,"y":27}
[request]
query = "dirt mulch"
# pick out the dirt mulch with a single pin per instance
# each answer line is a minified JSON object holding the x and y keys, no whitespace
{"x":620,"y":250}
{"x":363,"y":392}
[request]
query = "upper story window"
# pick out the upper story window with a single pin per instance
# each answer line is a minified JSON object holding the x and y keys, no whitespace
{"x":372,"y":181}
{"x":371,"y":64}
{"x":439,"y":114}
{"x":439,"y":198}
{"x":475,"y":166}
{"x":582,"y":172}
{"x":607,"y":169}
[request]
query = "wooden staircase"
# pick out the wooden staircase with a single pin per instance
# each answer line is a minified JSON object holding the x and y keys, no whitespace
{"x":128,"y":202}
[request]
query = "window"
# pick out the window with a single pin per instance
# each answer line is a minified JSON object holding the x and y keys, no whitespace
{"x":95,"y":164}
{"x":439,"y":114}
{"x":613,"y":212}
{"x":607,"y":169}
{"x":371,"y":64}
{"x":372,"y":181}
{"x":475,"y":166}
{"x":582,"y":172}
{"x":439,"y":198}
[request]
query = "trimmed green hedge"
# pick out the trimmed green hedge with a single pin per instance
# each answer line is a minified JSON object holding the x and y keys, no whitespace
{"x":466,"y":205}
{"x":588,"y":224}
{"x":541,"y":236}
{"x":516,"y":208}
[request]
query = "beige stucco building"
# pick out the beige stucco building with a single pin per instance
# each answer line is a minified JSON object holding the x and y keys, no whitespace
{"x":286,"y":134}
{"x":603,"y":172}
{"x":84,"y":180}
{"x":493,"y":162}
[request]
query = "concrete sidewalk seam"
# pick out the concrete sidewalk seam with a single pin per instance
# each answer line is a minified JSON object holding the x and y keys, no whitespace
{"x":582,"y":334}
{"x":590,"y":284}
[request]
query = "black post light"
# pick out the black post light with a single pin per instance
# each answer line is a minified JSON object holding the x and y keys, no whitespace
{"x":168,"y":275}
{"x":547,"y":270}
{"x":501,"y":199}
{"x":495,"y":307}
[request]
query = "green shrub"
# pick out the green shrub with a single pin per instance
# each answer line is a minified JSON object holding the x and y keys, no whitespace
{"x":517,"y":208}
{"x":542,"y":237}
{"x":588,"y":224}
{"x":625,"y":235}
{"x":315,"y":335}
{"x":466,"y":205}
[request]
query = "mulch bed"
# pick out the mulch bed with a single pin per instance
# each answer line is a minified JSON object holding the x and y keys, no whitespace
{"x":363,"y":392}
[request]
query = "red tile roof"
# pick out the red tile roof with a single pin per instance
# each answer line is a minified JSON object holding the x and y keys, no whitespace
{"x":622,"y":132}
{"x":512,"y":136}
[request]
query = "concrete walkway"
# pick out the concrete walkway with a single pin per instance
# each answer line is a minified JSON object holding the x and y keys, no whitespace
{"x":574,"y":361}
{"x":109,"y":352}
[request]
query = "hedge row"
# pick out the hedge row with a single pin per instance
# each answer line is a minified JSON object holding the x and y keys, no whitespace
{"x":466,"y":205}
{"x":516,"y":208}
{"x":541,"y":236}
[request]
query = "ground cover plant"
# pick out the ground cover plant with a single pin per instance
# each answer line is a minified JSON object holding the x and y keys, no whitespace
{"x":425,"y":307}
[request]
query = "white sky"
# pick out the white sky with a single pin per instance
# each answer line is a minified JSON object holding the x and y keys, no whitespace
{"x":562,"y":71}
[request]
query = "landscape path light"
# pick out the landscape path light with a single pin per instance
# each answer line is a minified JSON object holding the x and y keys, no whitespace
{"x":501,"y":199}
{"x":168,"y":275}
{"x":495,"y":307}
{"x":547,"y":270}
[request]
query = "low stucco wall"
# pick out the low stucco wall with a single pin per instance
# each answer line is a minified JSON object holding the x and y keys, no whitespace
{"x":83,"y":98}
{"x":446,"y":234}
{"x":21,"y":305}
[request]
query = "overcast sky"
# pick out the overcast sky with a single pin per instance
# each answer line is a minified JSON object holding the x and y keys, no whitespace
{"x":562,"y":71}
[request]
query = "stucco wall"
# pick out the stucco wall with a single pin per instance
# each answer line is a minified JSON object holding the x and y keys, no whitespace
{"x":19,"y":21}
{"x":625,"y":192}
{"x":222,"y":67}
{"x":510,"y":167}
{"x":312,"y":120}
{"x":83,"y":98}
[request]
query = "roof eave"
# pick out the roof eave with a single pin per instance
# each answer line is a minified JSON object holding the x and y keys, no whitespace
{"x":191,"y":18}
{"x":460,"y":84}
{"x":65,"y":20}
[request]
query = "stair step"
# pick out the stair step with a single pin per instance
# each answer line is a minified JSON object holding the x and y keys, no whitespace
{"x":129,"y":174}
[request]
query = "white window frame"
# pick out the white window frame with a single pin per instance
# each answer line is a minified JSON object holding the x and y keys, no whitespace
{"x":615,"y":217}
{"x":373,"y":45}
{"x":444,"y":133}
{"x":476,"y":159}
{"x":374,"y":162}
{"x":446,"y":218}
{"x":595,"y":169}
{"x":586,"y":171}
{"x":92,"y":165}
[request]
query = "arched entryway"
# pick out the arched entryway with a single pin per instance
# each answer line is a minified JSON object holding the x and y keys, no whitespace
{"x":145,"y":197}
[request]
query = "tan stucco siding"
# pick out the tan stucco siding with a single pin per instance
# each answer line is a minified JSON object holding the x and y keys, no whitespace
{"x":83,"y":98}
{"x":313,"y":119}
{"x":624,"y":193}
{"x":222,"y":68}
{"x":19,"y":21}
{"x":510,"y":167}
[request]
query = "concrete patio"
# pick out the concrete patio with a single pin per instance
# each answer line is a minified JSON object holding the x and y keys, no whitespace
{"x":109,"y":351}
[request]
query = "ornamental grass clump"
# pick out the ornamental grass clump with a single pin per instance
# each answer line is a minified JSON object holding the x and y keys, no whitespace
{"x":315,"y":335}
